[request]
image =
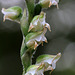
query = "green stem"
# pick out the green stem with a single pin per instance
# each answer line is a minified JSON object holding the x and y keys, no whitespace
{"x":26,"y":55}
{"x":30,"y":6}
{"x":26,"y":59}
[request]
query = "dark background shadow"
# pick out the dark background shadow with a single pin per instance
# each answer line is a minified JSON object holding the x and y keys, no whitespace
{"x":61,"y":39}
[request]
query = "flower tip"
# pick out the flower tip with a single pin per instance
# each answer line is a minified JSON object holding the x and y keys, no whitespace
{"x":4,"y":19}
{"x":46,"y":41}
{"x":50,"y":4}
{"x":42,"y":43}
{"x":49,"y":29}
{"x":3,"y":10}
{"x":31,"y":26}
{"x":59,"y":54}
{"x":35,"y":45}
{"x":48,"y":26}
{"x":51,"y":71}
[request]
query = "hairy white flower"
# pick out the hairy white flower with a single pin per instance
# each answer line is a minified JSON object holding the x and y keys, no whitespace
{"x":34,"y":39}
{"x":38,"y":23}
{"x":12,"y":13}
{"x":48,"y":60}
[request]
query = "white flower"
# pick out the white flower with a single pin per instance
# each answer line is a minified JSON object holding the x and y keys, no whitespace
{"x":54,"y":2}
{"x":48,"y":3}
{"x":12,"y":13}
{"x":48,"y":60}
{"x":34,"y":39}
{"x":43,"y":63}
{"x":38,"y":23}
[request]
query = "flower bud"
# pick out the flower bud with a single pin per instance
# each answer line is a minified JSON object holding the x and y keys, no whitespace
{"x":34,"y":39}
{"x":48,"y":3}
{"x":12,"y":13}
{"x":38,"y":23}
{"x":35,"y":70}
{"x":48,"y":60}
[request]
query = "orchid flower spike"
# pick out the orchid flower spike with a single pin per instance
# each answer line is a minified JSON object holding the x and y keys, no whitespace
{"x":35,"y":70}
{"x":35,"y":39}
{"x":12,"y":13}
{"x":48,"y":3}
{"x":48,"y":60}
{"x":38,"y":23}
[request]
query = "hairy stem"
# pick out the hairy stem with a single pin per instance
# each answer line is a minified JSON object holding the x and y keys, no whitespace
{"x":26,"y":55}
{"x":30,"y":7}
{"x":25,"y":21}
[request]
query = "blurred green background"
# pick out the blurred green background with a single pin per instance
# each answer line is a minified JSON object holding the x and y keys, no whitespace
{"x":61,"y":39}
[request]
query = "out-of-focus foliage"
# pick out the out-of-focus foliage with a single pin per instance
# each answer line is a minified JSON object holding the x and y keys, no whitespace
{"x":61,"y":39}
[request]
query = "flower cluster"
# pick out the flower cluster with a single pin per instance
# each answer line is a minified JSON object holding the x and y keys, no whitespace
{"x":43,"y":63}
{"x":48,"y":3}
{"x":38,"y":28}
